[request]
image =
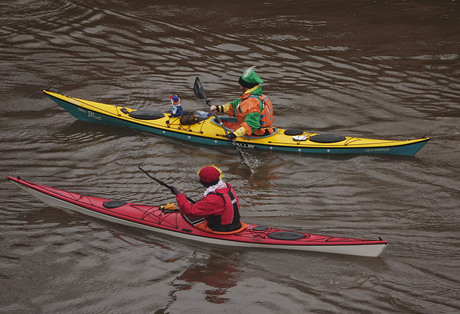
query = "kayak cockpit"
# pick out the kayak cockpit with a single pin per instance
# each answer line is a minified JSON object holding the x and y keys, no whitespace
{"x":233,"y":120}
{"x":143,"y":114}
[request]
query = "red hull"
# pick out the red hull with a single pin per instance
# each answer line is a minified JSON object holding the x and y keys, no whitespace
{"x":153,"y":218}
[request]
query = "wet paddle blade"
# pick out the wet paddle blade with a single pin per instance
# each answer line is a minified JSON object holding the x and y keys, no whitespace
{"x":198,"y":89}
{"x":200,"y":93}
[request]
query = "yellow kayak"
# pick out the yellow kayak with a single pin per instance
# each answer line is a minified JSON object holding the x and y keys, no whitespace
{"x":207,"y":131}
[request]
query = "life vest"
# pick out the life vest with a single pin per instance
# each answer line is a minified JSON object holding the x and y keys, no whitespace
{"x":266,"y":115}
{"x":229,"y":220}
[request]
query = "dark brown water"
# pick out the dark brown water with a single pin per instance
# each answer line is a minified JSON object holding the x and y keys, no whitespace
{"x":382,"y":69}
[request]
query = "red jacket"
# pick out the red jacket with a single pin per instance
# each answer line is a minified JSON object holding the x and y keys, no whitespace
{"x":221,"y":209}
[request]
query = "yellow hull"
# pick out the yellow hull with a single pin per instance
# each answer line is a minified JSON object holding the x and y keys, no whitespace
{"x":210,"y":133}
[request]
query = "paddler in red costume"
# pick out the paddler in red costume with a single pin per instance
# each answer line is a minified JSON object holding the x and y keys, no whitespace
{"x":219,"y":206}
{"x":253,"y":110}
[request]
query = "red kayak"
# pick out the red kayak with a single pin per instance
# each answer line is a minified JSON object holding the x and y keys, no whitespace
{"x":173,"y":223}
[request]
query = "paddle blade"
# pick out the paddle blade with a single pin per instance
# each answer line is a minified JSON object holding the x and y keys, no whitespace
{"x":198,"y":89}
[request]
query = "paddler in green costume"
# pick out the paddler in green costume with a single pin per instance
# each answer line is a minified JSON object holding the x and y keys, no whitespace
{"x":253,"y":110}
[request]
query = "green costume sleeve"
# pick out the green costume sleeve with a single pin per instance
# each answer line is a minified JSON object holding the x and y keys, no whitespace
{"x":253,"y":120}
{"x":234,"y":104}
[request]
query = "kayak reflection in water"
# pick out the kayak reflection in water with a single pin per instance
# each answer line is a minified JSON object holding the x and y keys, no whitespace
{"x":220,"y":206}
{"x":253,"y":110}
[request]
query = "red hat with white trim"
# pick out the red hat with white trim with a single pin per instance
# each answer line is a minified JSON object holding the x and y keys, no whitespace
{"x":209,"y":175}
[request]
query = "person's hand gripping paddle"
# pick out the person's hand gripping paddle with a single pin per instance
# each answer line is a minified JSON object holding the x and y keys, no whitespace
{"x":200,"y":93}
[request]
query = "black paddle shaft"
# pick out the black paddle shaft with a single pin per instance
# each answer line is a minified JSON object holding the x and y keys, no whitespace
{"x":163,"y":184}
{"x":200,"y":93}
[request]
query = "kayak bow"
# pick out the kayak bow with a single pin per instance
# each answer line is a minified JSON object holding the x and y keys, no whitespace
{"x":209,"y":132}
{"x":172,"y":223}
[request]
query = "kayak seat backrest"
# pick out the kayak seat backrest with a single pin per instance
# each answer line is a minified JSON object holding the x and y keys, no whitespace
{"x":327,"y":138}
{"x":286,"y":235}
{"x":146,"y":115}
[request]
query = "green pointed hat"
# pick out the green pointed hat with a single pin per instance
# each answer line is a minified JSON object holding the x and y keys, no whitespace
{"x":249,"y":79}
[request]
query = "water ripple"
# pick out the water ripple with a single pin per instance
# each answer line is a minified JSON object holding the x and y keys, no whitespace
{"x":373,"y":69}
